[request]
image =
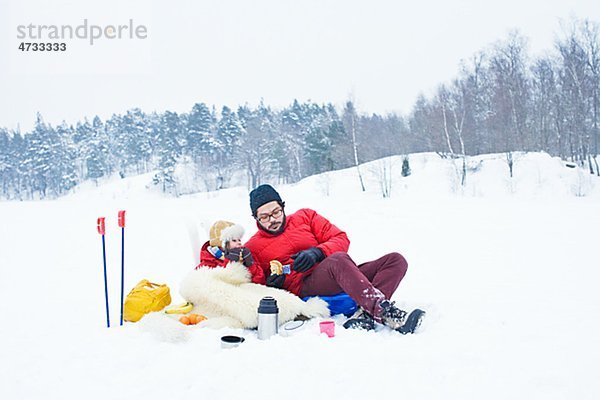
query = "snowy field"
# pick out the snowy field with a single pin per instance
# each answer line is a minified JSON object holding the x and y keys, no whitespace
{"x":508,"y":270}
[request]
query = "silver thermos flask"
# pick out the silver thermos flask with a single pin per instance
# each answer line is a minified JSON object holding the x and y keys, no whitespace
{"x":268,"y":315}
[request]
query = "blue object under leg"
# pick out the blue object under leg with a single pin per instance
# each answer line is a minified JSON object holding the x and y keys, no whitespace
{"x":340,"y":303}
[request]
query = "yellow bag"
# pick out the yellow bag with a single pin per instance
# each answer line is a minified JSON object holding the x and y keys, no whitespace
{"x":145,"y":297}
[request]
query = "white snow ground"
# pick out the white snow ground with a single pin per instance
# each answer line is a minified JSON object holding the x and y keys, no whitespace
{"x":507,"y":269}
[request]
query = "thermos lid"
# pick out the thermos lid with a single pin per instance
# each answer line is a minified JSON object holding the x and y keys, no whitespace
{"x":232,"y":339}
{"x":229,"y":342}
{"x":268,"y":305}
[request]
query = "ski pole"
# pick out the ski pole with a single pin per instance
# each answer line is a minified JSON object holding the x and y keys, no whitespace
{"x":101,"y":231}
{"x":122,"y":225}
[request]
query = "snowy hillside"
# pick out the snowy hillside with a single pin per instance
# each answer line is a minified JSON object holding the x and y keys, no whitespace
{"x":534,"y":175}
{"x":506,"y":268}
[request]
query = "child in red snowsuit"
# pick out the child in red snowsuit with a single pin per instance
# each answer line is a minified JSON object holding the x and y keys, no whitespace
{"x":225,"y":246}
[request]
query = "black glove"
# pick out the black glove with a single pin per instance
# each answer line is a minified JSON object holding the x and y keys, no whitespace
{"x":275,"y":281}
{"x":240,"y":254}
{"x":305,"y":259}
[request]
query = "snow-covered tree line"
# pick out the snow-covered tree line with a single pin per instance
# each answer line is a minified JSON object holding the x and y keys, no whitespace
{"x":501,"y":101}
{"x":269,"y":145}
{"x":504,"y":101}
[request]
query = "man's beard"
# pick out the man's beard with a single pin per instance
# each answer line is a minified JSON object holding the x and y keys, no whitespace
{"x":276,"y":231}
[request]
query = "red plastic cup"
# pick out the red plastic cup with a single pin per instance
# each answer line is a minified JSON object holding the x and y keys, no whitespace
{"x":328,"y":328}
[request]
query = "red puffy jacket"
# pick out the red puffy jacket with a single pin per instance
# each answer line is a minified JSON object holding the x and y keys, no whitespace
{"x":208,"y":260}
{"x":303,"y":229}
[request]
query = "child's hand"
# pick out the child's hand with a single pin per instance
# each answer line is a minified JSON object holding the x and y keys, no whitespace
{"x":275,"y":281}
{"x":240,"y":254}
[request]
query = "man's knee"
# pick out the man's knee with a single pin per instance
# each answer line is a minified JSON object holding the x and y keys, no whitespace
{"x":398,"y":262}
{"x":338,"y":260}
{"x":338,"y":256}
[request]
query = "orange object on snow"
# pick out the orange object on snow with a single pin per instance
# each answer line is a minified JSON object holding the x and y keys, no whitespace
{"x":192,"y":319}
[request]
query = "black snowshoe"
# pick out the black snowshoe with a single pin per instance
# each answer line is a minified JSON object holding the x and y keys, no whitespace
{"x":391,"y":316}
{"x":360,"y":320}
{"x":412,"y":322}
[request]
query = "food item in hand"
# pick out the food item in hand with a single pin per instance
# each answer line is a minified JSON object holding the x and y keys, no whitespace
{"x":276,"y":267}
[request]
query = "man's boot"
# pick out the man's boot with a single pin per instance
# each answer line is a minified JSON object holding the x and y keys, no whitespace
{"x":392,"y":316}
{"x":360,"y":320}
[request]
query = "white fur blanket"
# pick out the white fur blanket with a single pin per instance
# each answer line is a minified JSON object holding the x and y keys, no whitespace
{"x":228,"y":298}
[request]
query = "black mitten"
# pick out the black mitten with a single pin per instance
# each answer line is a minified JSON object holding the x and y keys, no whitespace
{"x":275,"y":281}
{"x":305,"y":259}
{"x":240,"y":254}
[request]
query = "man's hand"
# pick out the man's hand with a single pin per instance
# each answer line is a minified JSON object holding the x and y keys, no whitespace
{"x":305,"y":259}
{"x":275,"y":281}
{"x":240,"y":254}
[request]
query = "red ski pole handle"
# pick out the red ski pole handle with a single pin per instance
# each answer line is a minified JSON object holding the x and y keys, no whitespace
{"x":101,"y":226}
{"x":122,"y":219}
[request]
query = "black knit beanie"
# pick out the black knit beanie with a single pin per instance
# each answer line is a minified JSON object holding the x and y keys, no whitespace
{"x":262,"y":195}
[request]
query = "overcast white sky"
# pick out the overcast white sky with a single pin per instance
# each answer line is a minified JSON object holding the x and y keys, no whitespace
{"x":382,"y":53}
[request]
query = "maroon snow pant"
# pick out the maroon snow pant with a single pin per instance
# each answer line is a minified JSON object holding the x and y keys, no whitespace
{"x":368,"y":283}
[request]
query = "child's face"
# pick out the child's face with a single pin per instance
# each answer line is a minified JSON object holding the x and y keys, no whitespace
{"x":235,"y":243}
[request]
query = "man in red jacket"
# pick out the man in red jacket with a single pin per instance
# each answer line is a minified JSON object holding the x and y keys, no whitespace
{"x":320,"y":265}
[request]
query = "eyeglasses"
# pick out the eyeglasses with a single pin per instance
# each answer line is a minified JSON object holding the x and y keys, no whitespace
{"x":276,"y":213}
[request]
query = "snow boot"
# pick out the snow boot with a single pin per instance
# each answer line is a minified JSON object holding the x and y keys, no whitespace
{"x":392,"y":316}
{"x":360,"y":320}
{"x":412,"y":322}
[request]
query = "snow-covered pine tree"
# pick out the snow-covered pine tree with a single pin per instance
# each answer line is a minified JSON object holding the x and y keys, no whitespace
{"x":63,"y":170}
{"x":227,"y":139}
{"x":405,"y":167}
{"x":288,"y":148}
{"x":97,"y":151}
{"x":136,"y":140}
{"x":200,"y":129}
{"x":258,"y":137}
{"x":6,"y":164}
{"x":82,"y":137}
{"x":18,"y":154}
{"x":40,"y":156}
{"x":325,"y":127}
{"x":168,"y":137}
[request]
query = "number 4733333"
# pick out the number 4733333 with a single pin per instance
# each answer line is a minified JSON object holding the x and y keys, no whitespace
{"x":50,"y":46}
